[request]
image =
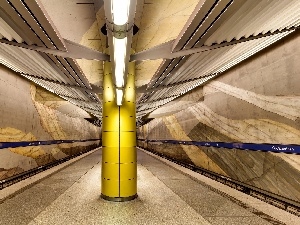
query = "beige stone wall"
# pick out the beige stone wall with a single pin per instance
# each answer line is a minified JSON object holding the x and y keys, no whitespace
{"x":257,"y":101}
{"x":24,"y":117}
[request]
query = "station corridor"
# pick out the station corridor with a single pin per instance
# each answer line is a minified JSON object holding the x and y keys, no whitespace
{"x":149,"y":112}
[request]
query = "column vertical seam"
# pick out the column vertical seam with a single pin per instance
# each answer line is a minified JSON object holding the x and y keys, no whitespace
{"x":119,"y":152}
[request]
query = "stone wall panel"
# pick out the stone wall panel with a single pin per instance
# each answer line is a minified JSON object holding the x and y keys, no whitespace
{"x":24,"y":117}
{"x":257,"y":101}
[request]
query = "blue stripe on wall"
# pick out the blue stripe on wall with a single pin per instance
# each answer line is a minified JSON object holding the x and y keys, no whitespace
{"x":36,"y":143}
{"x":295,"y":149}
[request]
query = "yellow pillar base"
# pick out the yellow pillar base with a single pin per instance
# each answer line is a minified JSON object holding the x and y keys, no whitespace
{"x":119,"y":160}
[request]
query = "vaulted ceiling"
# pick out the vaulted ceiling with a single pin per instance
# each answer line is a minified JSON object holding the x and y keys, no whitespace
{"x":180,"y":45}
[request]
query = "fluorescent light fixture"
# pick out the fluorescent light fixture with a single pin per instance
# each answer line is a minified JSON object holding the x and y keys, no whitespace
{"x":120,"y":11}
{"x":119,"y":59}
{"x":119,"y":93}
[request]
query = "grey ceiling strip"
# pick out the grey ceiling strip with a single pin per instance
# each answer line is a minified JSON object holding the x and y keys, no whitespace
{"x":17,"y":18}
{"x":69,"y":70}
{"x":168,"y":70}
{"x":41,"y":15}
{"x":164,"y":64}
{"x":171,"y":95}
{"x":158,"y":100}
{"x":82,"y":95}
{"x":157,"y":95}
{"x":91,"y":96}
{"x":11,"y":58}
{"x":199,"y":13}
{"x":34,"y":24}
{"x":170,"y":74}
{"x":59,"y":68}
{"x":149,"y":108}
{"x":78,"y":72}
{"x":208,"y":21}
{"x":161,"y":69}
{"x":164,"y":71}
{"x":14,"y":26}
{"x":235,"y":6}
{"x":195,"y":66}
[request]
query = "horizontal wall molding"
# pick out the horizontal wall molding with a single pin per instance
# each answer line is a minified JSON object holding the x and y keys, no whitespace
{"x":279,"y":148}
{"x":4,"y":145}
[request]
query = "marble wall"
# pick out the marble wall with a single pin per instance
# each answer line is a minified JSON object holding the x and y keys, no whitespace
{"x":28,"y":115}
{"x":257,"y":101}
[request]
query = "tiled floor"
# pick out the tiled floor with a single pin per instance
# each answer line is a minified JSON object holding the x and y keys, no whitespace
{"x":166,"y":196}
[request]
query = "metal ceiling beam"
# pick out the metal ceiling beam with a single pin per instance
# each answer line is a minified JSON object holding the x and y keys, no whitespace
{"x":165,"y":50}
{"x":75,"y":51}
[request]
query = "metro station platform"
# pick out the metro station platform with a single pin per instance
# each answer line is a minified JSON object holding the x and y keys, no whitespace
{"x":167,"y":194}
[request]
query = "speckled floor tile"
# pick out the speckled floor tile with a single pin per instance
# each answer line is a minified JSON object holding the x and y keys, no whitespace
{"x":264,"y":212}
{"x":156,"y":204}
{"x":166,"y":196}
{"x":25,"y":206}
{"x":206,"y":202}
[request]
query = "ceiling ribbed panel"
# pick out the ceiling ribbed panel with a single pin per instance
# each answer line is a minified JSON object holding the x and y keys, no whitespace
{"x":256,"y":17}
{"x":219,"y":60}
{"x":28,"y":62}
{"x":36,"y":68}
{"x":236,"y":30}
{"x":217,"y":35}
{"x":200,"y":68}
{"x":219,"y":21}
{"x":70,"y":94}
{"x":57,"y":88}
{"x":8,"y":33}
{"x":26,"y":22}
{"x":166,"y":95}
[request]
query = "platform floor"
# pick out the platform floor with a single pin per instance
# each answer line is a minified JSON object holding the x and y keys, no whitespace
{"x":166,"y":196}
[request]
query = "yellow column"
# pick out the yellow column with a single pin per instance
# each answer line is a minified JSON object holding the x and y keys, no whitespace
{"x":119,"y":166}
